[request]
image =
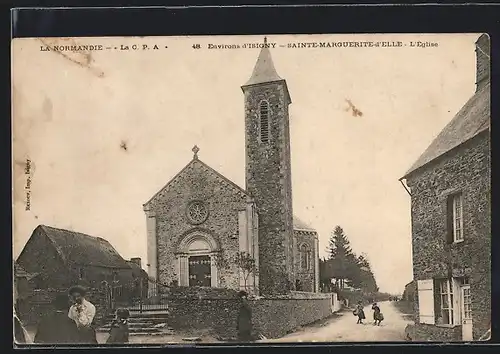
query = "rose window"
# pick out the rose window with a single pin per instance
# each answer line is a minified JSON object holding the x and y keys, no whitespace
{"x":197,"y":212}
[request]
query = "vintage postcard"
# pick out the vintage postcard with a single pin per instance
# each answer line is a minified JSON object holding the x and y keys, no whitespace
{"x":280,"y":188}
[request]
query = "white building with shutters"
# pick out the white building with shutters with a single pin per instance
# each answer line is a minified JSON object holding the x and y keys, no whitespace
{"x":450,"y":188}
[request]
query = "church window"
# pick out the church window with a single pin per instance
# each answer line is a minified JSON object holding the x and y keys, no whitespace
{"x":197,"y":212}
{"x":264,"y":121}
{"x":304,"y":257}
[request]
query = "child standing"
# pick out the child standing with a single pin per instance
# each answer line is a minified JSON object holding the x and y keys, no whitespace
{"x":119,"y":328}
{"x":377,"y":315}
{"x":359,"y":311}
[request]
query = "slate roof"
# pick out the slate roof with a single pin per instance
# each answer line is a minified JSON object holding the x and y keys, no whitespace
{"x":264,"y":70}
{"x":472,"y":119}
{"x":136,"y":270}
{"x":81,"y":249}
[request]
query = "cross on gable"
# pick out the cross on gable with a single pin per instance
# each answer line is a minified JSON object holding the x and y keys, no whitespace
{"x":195,"y":151}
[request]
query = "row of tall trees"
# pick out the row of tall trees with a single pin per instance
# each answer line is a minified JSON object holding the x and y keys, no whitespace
{"x":342,"y":263}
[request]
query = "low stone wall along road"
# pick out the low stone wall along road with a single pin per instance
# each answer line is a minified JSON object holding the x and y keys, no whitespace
{"x":345,"y":329}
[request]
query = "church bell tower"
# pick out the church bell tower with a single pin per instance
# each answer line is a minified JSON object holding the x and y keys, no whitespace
{"x":268,"y":171}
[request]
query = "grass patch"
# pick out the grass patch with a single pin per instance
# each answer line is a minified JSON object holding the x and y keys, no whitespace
{"x":406,"y":309}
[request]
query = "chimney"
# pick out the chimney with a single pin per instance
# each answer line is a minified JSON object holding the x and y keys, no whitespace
{"x":482,"y":61}
{"x":136,"y":260}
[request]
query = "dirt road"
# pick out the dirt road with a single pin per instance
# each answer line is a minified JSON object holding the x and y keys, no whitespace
{"x":345,"y":329}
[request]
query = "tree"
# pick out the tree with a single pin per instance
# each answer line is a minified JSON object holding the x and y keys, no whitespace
{"x":246,"y":264}
{"x":363,"y":262}
{"x":362,"y":275}
{"x":342,"y":259}
{"x":343,"y":263}
{"x":339,"y":244}
{"x":326,"y":273}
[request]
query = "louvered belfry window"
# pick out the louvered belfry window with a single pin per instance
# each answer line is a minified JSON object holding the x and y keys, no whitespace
{"x":264,"y":121}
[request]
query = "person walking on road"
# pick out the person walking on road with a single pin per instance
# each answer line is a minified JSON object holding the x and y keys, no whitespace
{"x":359,"y":312}
{"x":377,"y":315}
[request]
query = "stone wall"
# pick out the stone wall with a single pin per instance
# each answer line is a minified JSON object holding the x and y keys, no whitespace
{"x":278,"y":316}
{"x":217,"y":310}
{"x":196,"y":308}
{"x":466,"y":169}
{"x":430,"y":333}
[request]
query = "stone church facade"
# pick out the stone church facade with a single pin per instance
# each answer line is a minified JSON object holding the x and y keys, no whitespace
{"x":201,"y":218}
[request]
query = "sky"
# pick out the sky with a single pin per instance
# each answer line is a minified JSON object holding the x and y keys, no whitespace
{"x":72,"y":120}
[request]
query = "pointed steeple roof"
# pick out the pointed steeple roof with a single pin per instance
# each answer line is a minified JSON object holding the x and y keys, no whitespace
{"x":264,"y":70}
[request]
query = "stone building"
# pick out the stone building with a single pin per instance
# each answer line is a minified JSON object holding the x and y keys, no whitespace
{"x":201,"y":218}
{"x":61,"y":258}
{"x":21,"y":287}
{"x":451,"y":221}
{"x":409,"y":292}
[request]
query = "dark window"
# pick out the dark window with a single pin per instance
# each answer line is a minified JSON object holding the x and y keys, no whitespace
{"x":264,"y":121}
{"x":304,"y":257}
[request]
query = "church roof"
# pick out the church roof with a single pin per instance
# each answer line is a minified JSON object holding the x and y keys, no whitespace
{"x":264,"y":70}
{"x":301,"y":226}
{"x":472,"y":119}
{"x":297,"y":223}
{"x":77,"y":248}
{"x":214,"y":172}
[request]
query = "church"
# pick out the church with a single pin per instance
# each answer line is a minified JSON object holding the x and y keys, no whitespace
{"x":201,"y":217}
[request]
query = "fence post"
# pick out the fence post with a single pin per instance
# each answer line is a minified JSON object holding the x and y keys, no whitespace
{"x":140,"y":295}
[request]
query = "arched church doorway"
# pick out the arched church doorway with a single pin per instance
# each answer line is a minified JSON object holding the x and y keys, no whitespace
{"x":197,"y":260}
{"x":200,"y":272}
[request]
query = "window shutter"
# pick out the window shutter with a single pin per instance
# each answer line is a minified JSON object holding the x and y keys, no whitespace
{"x":426,"y":301}
{"x":449,"y":219}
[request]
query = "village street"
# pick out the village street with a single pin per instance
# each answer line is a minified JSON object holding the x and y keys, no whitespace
{"x":345,"y":329}
{"x":336,"y":329}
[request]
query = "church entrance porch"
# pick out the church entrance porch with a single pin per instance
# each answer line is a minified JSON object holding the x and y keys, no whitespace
{"x":199,"y":271}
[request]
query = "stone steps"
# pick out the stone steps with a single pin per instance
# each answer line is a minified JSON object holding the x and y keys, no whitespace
{"x":145,"y":323}
{"x":135,"y":326}
{"x":138,"y":331}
